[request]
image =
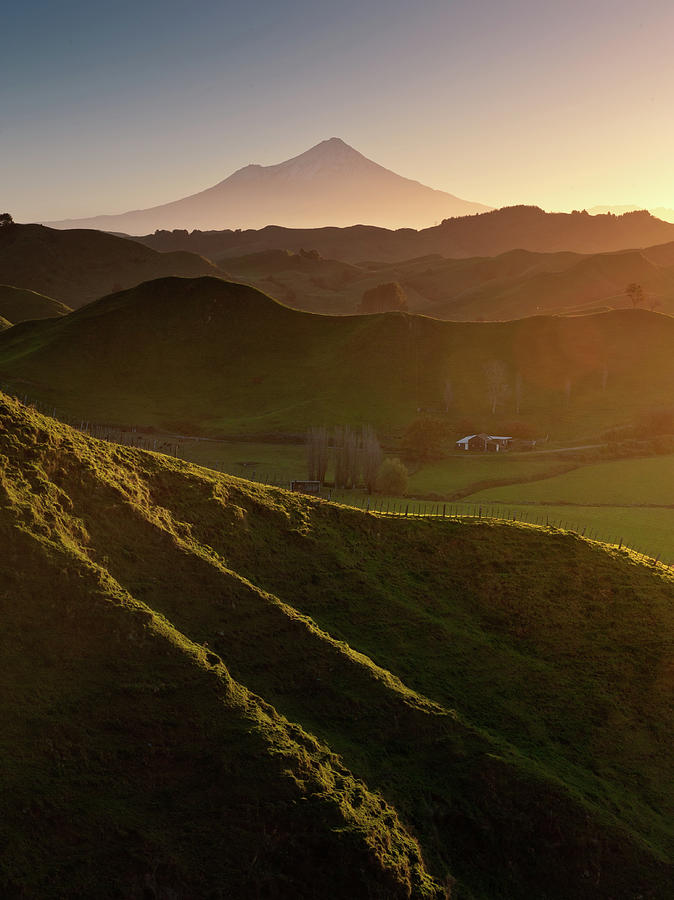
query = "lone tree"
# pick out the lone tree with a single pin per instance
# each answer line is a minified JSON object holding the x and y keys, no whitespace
{"x":6,"y":219}
{"x":636,"y":293}
{"x":383,"y":298}
{"x":392,"y":478}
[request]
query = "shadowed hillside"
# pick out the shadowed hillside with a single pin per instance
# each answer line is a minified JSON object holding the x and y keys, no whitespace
{"x":484,"y":234}
{"x":205,"y":355}
{"x":76,"y":267}
{"x":520,"y":729}
{"x":19,"y":305}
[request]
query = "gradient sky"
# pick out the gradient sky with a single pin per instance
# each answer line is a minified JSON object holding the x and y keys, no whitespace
{"x":111,"y":106}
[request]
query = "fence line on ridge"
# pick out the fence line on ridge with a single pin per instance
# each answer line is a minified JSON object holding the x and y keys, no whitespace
{"x":392,"y":508}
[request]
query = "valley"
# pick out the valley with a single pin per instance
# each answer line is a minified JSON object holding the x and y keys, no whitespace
{"x":455,"y":683}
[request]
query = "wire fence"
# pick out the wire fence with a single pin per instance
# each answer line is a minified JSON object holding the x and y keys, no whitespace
{"x":370,"y":503}
{"x":497,"y":514}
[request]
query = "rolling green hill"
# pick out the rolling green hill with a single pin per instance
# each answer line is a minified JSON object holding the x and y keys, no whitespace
{"x":20,"y":305}
{"x":559,"y":283}
{"x":208,"y":356}
{"x":211,"y":688}
{"x":514,"y":285}
{"x":78,"y":266}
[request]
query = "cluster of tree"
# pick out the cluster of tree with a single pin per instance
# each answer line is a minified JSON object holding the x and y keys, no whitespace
{"x":6,"y":219}
{"x":383,"y":298}
{"x":357,"y":455}
{"x":426,"y":438}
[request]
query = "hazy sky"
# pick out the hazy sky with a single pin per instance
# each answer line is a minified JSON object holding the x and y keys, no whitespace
{"x":109,"y":106}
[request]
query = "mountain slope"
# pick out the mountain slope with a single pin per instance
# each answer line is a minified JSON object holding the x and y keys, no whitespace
{"x":211,"y":357}
{"x":330,"y":184}
{"x":79,"y":266}
{"x":19,"y":305}
{"x":143,"y":601}
{"x":486,"y":234}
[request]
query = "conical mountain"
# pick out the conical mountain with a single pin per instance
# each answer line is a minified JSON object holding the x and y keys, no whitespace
{"x":330,"y":184}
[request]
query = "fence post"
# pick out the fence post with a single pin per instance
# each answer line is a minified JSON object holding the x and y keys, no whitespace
{"x":407,"y":510}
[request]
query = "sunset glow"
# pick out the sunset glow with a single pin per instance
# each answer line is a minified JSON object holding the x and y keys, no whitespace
{"x":111,"y":107}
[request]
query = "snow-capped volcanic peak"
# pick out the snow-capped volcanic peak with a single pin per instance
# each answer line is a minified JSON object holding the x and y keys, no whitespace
{"x":329,"y":184}
{"x":330,"y":157}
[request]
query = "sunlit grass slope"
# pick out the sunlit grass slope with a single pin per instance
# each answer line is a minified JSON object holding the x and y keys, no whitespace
{"x":4,"y":323}
{"x":207,"y":355}
{"x":18,"y":305}
{"x":500,"y":694}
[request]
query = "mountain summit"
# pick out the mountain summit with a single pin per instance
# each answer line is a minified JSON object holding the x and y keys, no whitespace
{"x":329,"y":184}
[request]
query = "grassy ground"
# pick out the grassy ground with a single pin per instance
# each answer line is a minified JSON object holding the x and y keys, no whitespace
{"x":647,"y":481}
{"x":460,"y":473}
{"x":499,"y":692}
{"x":628,"y":499}
{"x":204,"y":356}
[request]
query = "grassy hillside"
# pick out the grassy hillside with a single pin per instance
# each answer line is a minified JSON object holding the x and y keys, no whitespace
{"x":78,"y":266}
{"x":559,"y":283}
{"x":4,"y":324}
{"x":514,"y":285}
{"x":204,"y":355}
{"x":19,"y":305}
{"x":517,"y":727}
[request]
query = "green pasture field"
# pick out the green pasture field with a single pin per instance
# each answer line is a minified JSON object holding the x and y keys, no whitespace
{"x":255,"y":461}
{"x":628,"y":499}
{"x":646,"y":481}
{"x":459,"y":472}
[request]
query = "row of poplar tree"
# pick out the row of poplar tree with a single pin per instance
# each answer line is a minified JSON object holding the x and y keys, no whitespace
{"x":356,"y":453}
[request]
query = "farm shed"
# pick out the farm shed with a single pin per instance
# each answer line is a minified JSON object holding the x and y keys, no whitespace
{"x":306,"y":487}
{"x":484,"y":442}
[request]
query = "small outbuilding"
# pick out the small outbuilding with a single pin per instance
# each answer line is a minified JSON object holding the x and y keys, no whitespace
{"x":306,"y":487}
{"x":485,"y":442}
